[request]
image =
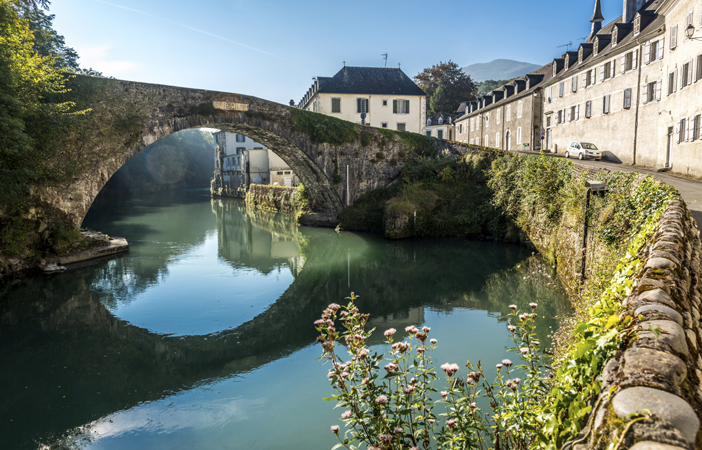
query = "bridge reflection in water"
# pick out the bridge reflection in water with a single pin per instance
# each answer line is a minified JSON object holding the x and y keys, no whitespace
{"x":81,"y":373}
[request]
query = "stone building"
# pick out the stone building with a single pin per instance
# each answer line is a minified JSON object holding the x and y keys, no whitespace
{"x":387,"y":97}
{"x":632,"y":88}
{"x":509,"y":117}
{"x":441,"y":126}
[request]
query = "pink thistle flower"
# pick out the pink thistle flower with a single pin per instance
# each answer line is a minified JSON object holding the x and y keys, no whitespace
{"x":335,"y":429}
{"x":392,"y":367}
{"x":450,"y":369}
{"x":421,"y":350}
{"x":524,"y":350}
{"x":330,"y":374}
{"x":470,"y":380}
{"x":411,"y":329}
{"x":506,"y":362}
{"x":362,"y":353}
{"x":365,"y":380}
{"x":433,"y":341}
{"x":346,"y":414}
{"x":385,"y":437}
{"x":344,"y":374}
{"x":330,"y":323}
{"x":499,"y":366}
{"x":334,"y":307}
{"x":319,"y":322}
{"x":444,"y":394}
{"x":398,"y":430}
{"x":512,"y":328}
{"x":431,"y":420}
{"x":426,"y":329}
{"x":513,"y":307}
{"x":389,"y":332}
{"x":381,"y":400}
{"x":451,"y":423}
{"x":343,"y":314}
{"x":473,"y":405}
{"x":533,"y":305}
{"x":408,"y":389}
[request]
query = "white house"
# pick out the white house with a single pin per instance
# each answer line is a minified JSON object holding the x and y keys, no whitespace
{"x":387,"y":97}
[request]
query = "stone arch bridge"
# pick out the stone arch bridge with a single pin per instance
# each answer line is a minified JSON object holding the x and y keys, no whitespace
{"x":125,"y":117}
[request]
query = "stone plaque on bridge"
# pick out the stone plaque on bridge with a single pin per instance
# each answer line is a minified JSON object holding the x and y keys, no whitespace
{"x":230,"y":106}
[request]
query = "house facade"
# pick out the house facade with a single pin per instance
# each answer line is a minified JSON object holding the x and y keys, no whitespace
{"x":633,"y":88}
{"x":377,"y":97}
{"x":441,"y":126}
{"x":507,"y":118}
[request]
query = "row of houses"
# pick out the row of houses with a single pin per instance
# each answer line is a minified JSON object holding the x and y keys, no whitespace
{"x":632,"y":88}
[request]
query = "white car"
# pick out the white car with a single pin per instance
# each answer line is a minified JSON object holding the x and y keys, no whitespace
{"x":583,"y":150}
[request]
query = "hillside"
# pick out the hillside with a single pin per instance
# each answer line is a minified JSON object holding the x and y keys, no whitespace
{"x":499,"y":69}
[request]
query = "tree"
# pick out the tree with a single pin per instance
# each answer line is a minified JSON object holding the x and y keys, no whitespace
{"x":27,"y":81}
{"x":439,"y":102}
{"x":456,"y":84}
{"x":489,"y":85}
{"x":47,"y":42}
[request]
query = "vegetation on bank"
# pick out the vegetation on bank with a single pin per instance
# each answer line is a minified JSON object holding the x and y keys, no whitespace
{"x":509,"y":196}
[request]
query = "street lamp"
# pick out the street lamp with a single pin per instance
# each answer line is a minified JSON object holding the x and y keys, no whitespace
{"x":689,"y":32}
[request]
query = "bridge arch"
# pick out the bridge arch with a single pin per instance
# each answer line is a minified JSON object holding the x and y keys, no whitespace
{"x":125,"y":117}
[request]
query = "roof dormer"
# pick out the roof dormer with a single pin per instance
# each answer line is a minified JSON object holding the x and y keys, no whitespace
{"x":620,"y":31}
{"x":584,"y":52}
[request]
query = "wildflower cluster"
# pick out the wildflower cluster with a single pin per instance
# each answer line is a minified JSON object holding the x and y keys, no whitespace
{"x":391,"y":403}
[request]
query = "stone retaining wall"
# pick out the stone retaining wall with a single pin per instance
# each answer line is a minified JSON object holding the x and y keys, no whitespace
{"x":651,"y":395}
{"x":272,"y":198}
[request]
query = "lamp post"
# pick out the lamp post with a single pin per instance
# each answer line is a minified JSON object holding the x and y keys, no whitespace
{"x":690,"y":32}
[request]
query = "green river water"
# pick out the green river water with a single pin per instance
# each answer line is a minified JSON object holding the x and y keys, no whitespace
{"x":201,"y":337}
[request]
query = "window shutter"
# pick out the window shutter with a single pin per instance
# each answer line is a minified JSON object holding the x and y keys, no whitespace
{"x":690,"y":67}
{"x":687,"y":132}
{"x":593,"y":77}
{"x":623,"y":63}
{"x":577,"y":113}
{"x":602,"y":70}
{"x":585,"y":80}
{"x":645,"y":93}
{"x":659,"y":88}
{"x":635,"y":59}
{"x":407,"y":103}
{"x":675,"y":81}
{"x":394,"y":106}
{"x":677,"y":130}
{"x":647,"y":53}
{"x":367,"y":105}
{"x":661,"y":46}
{"x":614,"y":65}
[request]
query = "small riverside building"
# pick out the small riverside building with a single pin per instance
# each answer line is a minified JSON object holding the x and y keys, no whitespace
{"x":388,"y":98}
{"x":441,"y":126}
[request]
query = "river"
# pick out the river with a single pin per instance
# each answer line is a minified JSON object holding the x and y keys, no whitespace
{"x":202,"y":338}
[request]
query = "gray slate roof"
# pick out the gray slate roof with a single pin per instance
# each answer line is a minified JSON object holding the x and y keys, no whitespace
{"x":370,"y":81}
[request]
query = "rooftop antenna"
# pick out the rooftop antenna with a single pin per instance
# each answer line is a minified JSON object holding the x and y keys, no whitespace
{"x":385,"y":57}
{"x":344,"y":63}
{"x":585,"y":38}
{"x":399,"y":65}
{"x":566,"y":45}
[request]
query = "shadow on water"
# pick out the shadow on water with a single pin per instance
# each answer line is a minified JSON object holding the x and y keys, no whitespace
{"x":73,"y":361}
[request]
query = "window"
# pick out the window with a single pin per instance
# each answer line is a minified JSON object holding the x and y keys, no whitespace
{"x":627,"y":98}
{"x":440,"y":134}
{"x":652,"y":91}
{"x":587,"y":78}
{"x":460,"y":129}
{"x":487,"y":119}
{"x":682,"y":130}
{"x":688,"y":19}
{"x":497,"y":139}
{"x":548,"y":121}
{"x":428,"y":133}
{"x":637,"y":25}
{"x":519,"y":110}
{"x":673,"y":37}
{"x":472,"y":124}
{"x":240,"y":150}
{"x":400,"y":127}
{"x":508,"y":114}
{"x":697,"y":128}
{"x":605,"y":104}
{"x":385,"y":103}
{"x":361,"y":105}
{"x":628,"y":62}
{"x":485,"y":144}
{"x":560,"y":88}
{"x":606,"y":71}
{"x":400,"y":106}
{"x":686,"y":74}
{"x":672,"y":82}
{"x":240,"y":138}
{"x":574,"y":81}
{"x":497,"y":117}
{"x":471,"y":141}
{"x":588,"y":109}
{"x":559,"y":117}
{"x":383,"y":124}
{"x":574,"y":113}
{"x":519,"y":135}
{"x":336,"y":105}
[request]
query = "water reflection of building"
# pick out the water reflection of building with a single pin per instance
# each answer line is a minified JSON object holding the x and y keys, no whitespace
{"x":256,"y":239}
{"x":398,"y":319}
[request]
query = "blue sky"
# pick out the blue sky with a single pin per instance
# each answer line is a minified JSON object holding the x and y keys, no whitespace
{"x":272,"y":49}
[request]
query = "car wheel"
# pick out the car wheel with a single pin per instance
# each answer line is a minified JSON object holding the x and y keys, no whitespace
{"x":566,"y":154}
{"x":580,"y":156}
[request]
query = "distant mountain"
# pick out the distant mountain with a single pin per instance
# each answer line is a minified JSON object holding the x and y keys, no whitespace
{"x":499,"y":69}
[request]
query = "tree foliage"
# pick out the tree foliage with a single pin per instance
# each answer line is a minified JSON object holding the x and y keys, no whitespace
{"x":489,"y":85}
{"x":47,"y":42}
{"x":456,"y":84}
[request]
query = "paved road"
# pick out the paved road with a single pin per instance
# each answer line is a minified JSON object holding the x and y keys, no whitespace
{"x":691,"y":190}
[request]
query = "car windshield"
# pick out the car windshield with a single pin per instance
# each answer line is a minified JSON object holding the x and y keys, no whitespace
{"x":588,"y":146}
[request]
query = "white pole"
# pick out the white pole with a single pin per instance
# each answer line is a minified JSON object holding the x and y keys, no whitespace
{"x":348,"y":195}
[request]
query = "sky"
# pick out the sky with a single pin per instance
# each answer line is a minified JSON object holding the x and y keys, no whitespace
{"x":272,"y":49}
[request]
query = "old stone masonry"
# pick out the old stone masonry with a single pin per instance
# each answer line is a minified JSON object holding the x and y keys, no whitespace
{"x":651,"y":395}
